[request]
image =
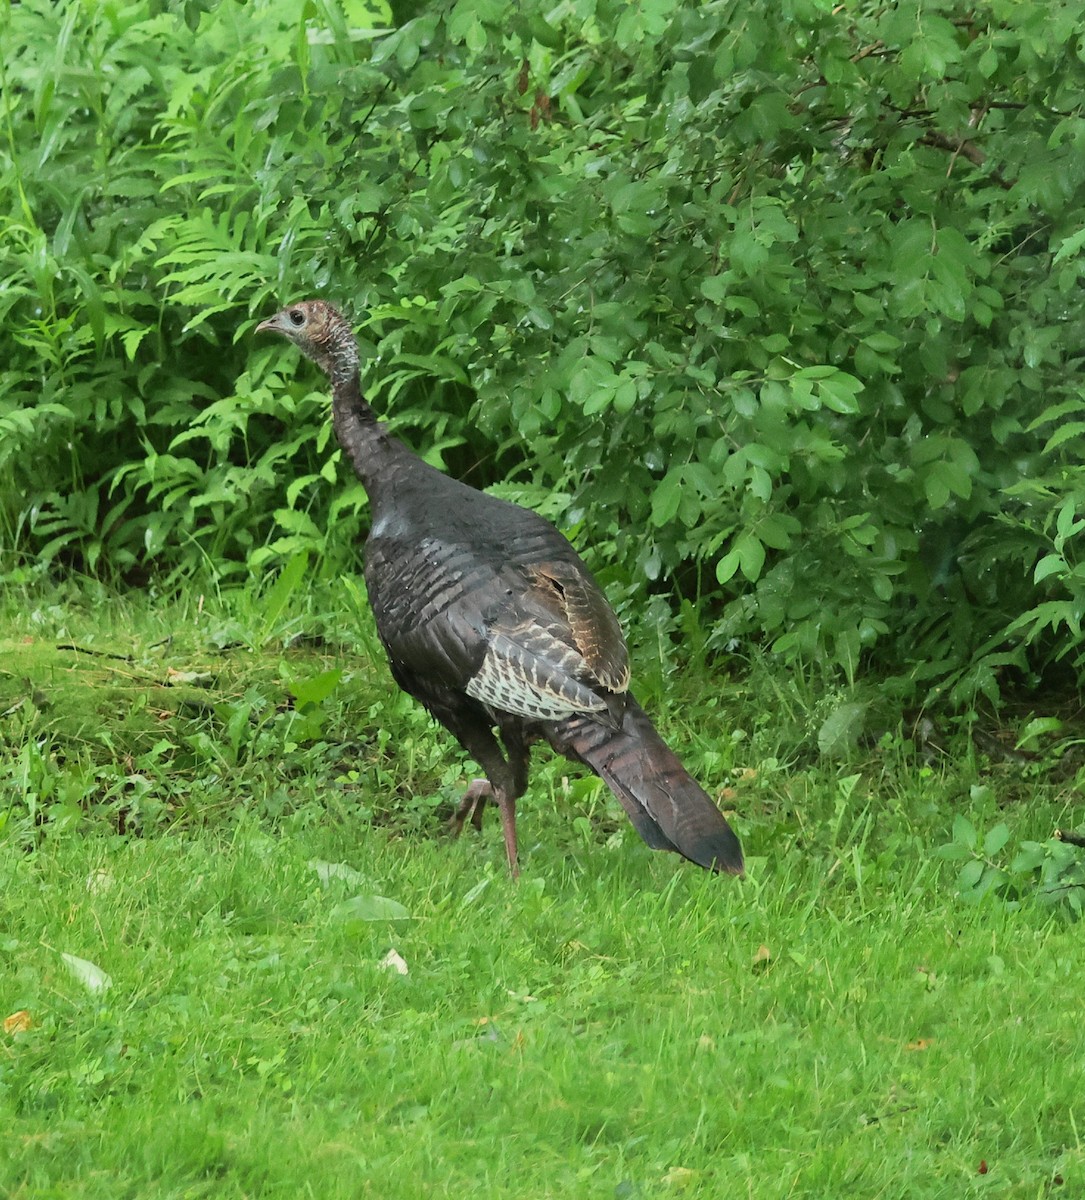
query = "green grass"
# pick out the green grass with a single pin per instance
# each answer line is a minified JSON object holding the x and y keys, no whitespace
{"x":617,"y":1024}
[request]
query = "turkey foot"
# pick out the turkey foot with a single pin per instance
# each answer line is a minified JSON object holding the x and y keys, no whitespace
{"x":472,"y":805}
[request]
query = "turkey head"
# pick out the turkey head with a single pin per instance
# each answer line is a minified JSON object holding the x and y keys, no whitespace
{"x":320,"y":333}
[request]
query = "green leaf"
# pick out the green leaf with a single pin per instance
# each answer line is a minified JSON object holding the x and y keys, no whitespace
{"x":970,"y":875}
{"x":1069,"y":247}
{"x":1066,"y":526}
{"x":316,"y":689}
{"x":714,"y":288}
{"x":936,"y":489}
{"x":952,"y":852}
{"x":1030,"y":857}
{"x":666,"y":497}
{"x":839,"y":393}
{"x":727,"y":566}
{"x":751,"y":555}
{"x":995,"y":839}
{"x":964,"y":832}
{"x":1050,"y":564}
{"x":362,"y":910}
{"x":882,"y":343}
{"x":1036,"y":729}
{"x":284,"y":587}
{"x":840,"y":731}
{"x":1072,"y":429}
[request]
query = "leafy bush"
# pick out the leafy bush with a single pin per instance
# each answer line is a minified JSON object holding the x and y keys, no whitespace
{"x":781,"y":303}
{"x":1051,"y":872}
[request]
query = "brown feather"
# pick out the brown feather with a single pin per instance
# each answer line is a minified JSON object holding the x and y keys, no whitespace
{"x":596,"y":634}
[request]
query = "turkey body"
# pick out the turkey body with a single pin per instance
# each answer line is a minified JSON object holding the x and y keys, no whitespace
{"x":492,"y":621}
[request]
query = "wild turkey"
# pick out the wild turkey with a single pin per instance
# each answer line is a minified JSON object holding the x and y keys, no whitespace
{"x":491,"y":620}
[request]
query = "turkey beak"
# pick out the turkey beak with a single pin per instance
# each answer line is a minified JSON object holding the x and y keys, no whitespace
{"x":271,"y":325}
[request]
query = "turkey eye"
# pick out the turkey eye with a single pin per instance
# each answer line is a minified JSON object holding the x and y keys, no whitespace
{"x":297,"y":317}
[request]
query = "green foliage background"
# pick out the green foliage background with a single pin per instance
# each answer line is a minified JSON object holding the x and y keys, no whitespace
{"x":780,"y":303}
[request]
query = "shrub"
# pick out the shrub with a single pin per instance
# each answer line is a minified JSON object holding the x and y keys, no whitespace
{"x":780,"y":302}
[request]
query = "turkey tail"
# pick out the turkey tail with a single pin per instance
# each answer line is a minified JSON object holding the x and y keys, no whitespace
{"x":668,"y":808}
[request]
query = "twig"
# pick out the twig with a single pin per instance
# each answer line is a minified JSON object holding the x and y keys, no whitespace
{"x":957,"y":145}
{"x":97,"y":653}
{"x":969,"y":150}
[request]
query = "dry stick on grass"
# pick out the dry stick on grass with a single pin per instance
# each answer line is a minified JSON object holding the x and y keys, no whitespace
{"x":96,"y":653}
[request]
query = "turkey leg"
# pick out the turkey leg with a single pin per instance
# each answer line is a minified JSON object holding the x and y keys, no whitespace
{"x":472,"y":806}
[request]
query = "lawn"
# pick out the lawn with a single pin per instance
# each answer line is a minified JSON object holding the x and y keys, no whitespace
{"x":240,"y":958}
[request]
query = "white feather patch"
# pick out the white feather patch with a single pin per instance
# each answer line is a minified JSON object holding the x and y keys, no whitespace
{"x":534,"y":679}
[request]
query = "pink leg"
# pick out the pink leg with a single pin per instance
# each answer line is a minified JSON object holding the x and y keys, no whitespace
{"x":472,"y":805}
{"x":507,"y":805}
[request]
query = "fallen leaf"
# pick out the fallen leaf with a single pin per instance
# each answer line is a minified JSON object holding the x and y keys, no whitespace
{"x":191,"y":678}
{"x":327,"y":871}
{"x":369,"y":908}
{"x":474,"y":892}
{"x":487,"y":1036}
{"x":18,"y":1022}
{"x":99,"y":882}
{"x":393,"y":962}
{"x":92,"y":977}
{"x":680,"y":1177}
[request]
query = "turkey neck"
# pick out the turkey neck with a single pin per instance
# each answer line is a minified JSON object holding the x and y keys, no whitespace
{"x":363,"y":438}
